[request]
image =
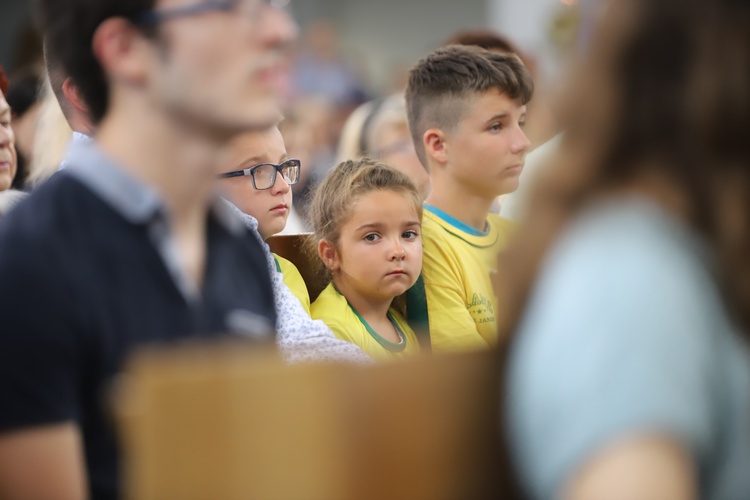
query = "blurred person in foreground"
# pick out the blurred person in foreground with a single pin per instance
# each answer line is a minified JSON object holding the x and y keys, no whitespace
{"x":130,"y":245}
{"x":629,"y":376}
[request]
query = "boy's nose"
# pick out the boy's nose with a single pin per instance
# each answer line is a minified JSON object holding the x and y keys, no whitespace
{"x":521,"y":143}
{"x":278,"y":29}
{"x":281,"y":186}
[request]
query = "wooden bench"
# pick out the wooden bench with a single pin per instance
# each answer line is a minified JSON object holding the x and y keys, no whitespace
{"x":293,"y":247}
{"x":233,"y":422}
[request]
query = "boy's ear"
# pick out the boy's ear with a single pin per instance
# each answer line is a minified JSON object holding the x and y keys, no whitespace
{"x":74,"y":96}
{"x":434,"y":141}
{"x":328,"y":254}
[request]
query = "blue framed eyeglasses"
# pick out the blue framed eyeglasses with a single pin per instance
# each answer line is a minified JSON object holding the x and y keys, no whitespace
{"x":263,"y":176}
{"x":152,"y":17}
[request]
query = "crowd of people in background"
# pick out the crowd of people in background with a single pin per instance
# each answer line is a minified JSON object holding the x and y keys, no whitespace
{"x":599,"y":237}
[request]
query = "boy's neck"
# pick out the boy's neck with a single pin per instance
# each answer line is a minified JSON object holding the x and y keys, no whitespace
{"x":464,"y":206}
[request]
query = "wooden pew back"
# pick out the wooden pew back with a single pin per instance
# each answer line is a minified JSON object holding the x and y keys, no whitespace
{"x":233,"y":422}
{"x":293,"y":248}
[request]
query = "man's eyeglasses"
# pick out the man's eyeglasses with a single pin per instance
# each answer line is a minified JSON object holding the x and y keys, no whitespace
{"x":264,"y":175}
{"x":152,"y":17}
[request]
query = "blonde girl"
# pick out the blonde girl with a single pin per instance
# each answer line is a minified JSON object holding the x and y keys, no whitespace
{"x":367,"y":222}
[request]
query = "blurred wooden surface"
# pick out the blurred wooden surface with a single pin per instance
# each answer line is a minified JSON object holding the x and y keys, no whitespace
{"x":293,"y":248}
{"x":231,"y":422}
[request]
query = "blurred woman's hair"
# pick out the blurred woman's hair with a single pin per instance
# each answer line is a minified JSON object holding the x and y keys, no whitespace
{"x":663,"y":96}
{"x":359,"y":137}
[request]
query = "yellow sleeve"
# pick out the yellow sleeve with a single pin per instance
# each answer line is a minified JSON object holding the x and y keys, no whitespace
{"x":332,"y":309}
{"x":293,"y":279}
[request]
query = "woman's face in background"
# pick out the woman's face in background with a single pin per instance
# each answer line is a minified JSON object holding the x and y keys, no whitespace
{"x":7,"y":147}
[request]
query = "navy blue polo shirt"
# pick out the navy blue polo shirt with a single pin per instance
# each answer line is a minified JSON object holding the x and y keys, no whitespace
{"x":88,"y":272}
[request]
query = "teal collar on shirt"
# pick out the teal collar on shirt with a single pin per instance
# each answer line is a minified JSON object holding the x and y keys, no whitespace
{"x":456,"y":223}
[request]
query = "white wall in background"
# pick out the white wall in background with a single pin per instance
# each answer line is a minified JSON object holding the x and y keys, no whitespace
{"x":384,"y":34}
{"x":527,"y":22}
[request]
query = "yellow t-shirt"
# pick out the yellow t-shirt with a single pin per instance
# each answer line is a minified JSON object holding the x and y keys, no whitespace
{"x":334,"y":310}
{"x":456,"y":265}
{"x":293,"y":279}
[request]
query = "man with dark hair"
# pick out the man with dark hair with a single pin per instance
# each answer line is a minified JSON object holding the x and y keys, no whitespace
{"x":127,"y":246}
{"x":466,"y":108}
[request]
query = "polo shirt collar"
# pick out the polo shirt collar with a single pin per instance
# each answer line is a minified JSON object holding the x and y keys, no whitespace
{"x":248,"y":220}
{"x":135,"y":201}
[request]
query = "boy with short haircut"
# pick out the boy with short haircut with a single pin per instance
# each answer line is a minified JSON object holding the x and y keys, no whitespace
{"x":466,"y":109}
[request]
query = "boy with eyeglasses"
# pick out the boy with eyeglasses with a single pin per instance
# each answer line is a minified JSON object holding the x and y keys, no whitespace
{"x":129,"y":245}
{"x":260,"y":189}
{"x":466,"y":110}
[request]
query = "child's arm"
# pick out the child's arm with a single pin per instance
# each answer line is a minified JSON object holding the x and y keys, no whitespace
{"x":294,"y":281}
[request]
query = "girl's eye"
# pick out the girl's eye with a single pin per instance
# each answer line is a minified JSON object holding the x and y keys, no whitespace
{"x":495,"y":127}
{"x":410,"y":234}
{"x":522,"y":124}
{"x":371,"y":237}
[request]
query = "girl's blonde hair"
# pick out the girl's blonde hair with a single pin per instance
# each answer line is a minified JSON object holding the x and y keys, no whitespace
{"x":344,"y":185}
